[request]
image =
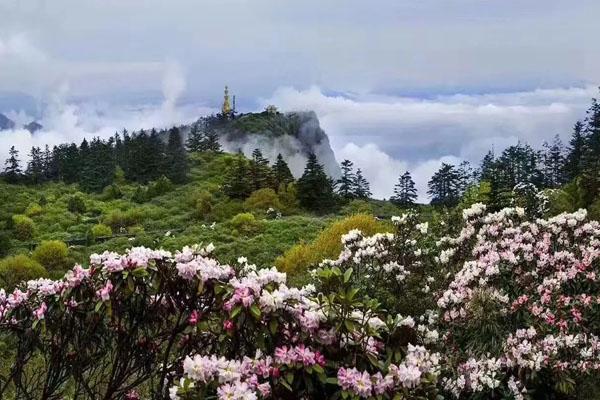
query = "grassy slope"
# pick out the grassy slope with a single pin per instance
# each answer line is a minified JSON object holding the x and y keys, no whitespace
{"x":173,"y":211}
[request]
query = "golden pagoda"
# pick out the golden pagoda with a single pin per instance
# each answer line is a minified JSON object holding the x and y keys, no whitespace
{"x":226,"y":109}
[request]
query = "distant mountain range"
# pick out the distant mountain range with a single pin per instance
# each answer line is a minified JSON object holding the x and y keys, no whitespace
{"x":7,"y":123}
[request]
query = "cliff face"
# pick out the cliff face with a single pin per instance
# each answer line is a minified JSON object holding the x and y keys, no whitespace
{"x":294,"y":135}
{"x":6,"y":123}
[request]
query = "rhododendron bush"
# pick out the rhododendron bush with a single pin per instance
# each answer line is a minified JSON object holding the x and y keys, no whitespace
{"x":506,"y":307}
{"x":521,"y":315}
{"x":154,"y":324}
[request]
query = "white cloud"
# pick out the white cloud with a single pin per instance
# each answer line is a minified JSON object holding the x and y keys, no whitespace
{"x":385,"y":135}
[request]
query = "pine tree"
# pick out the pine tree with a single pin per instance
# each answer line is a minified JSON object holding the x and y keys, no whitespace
{"x":236,"y":182}
{"x":35,"y":166}
{"x":444,"y":186}
{"x":590,"y":167}
{"x":176,"y":158}
{"x":488,"y":167}
{"x":98,"y":167}
{"x":345,"y":185}
{"x":315,"y":188}
{"x":465,"y":176}
{"x":405,"y":192}
{"x":553,"y":163}
{"x":361,"y":186}
{"x":12,"y":171}
{"x":281,"y":173}
{"x":576,"y":151}
{"x":195,"y":138}
{"x":259,"y":171}
{"x":210,"y":143}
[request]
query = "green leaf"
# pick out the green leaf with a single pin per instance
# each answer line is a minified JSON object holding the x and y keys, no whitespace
{"x":140,"y":272}
{"x":255,"y":311}
{"x":347,"y":275}
{"x":98,"y":305}
{"x":236,"y":310}
{"x":130,"y":284}
{"x":273,"y":325}
{"x":289,"y":377}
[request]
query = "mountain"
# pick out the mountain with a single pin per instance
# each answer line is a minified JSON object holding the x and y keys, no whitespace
{"x":293,"y":134}
{"x":33,"y":126}
{"x":5,"y":122}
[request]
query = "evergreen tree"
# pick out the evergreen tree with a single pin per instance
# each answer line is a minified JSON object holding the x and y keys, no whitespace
{"x":553,"y":163}
{"x":35,"y":166}
{"x":488,"y":167}
{"x":444,"y":186}
{"x":176,"y":159}
{"x":236,"y":182}
{"x":12,"y":171}
{"x":98,"y":167}
{"x":69,"y":163}
{"x":576,"y":151}
{"x":466,"y":177}
{"x":345,"y":185}
{"x":210,"y":142}
{"x":315,"y":188}
{"x":195,"y":138}
{"x":361,"y":186}
{"x":405,"y":192}
{"x":281,"y":173}
{"x":590,"y":167}
{"x":259,"y":171}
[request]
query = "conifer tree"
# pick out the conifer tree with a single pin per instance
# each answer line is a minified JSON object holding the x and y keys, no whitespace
{"x":195,"y":138}
{"x":405,"y":192}
{"x":465,"y":176}
{"x":345,"y":185}
{"x":576,"y":151}
{"x":444,"y":186}
{"x":210,"y":142}
{"x":98,"y":167}
{"x":12,"y":171}
{"x":590,"y":167}
{"x":553,"y":163}
{"x":176,"y":158}
{"x":259,"y":171}
{"x":35,"y":166}
{"x":281,"y":173}
{"x":236,"y":182}
{"x":315,"y":188}
{"x":361,"y":186}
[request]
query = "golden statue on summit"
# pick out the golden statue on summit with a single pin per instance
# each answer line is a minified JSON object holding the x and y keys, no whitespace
{"x":226,"y":109}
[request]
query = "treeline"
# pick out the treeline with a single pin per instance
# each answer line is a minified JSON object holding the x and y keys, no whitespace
{"x":575,"y":166}
{"x":142,"y":157}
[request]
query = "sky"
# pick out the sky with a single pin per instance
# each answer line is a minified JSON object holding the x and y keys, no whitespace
{"x":397,"y":84}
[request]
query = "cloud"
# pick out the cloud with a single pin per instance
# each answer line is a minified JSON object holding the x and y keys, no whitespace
{"x":385,"y":135}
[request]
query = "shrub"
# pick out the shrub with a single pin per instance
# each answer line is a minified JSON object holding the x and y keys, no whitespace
{"x":76,"y":204}
{"x":159,"y":187}
{"x":235,"y":327}
{"x":52,"y":254}
{"x":140,"y":195}
{"x":263,"y":199}
{"x":33,"y":209}
{"x":204,"y":204}
{"x":111,"y":192}
{"x":19,"y":268}
{"x":100,"y":230}
{"x":4,"y":244}
{"x":245,"y":223}
{"x":23,"y":227}
{"x":288,"y":197}
{"x":118,"y":219}
{"x":43,"y":201}
{"x":328,"y":244}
